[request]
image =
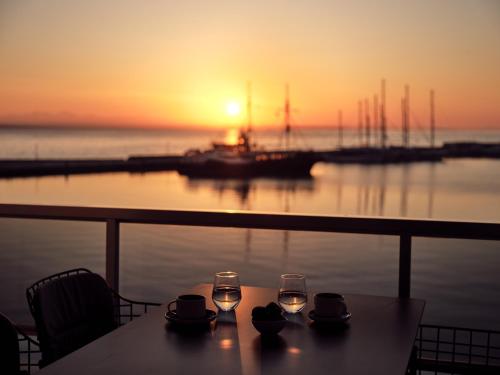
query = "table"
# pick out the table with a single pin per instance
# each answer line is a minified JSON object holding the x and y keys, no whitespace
{"x":379,"y":340}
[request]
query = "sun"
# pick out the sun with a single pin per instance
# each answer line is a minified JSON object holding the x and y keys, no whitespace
{"x":233,"y":108}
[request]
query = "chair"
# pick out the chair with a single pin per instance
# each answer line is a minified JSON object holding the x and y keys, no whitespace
{"x":75,"y":307}
{"x":10,"y":349}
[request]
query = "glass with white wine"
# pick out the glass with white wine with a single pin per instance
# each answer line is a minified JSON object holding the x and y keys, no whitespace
{"x":226,"y":293}
{"x":292,"y":296}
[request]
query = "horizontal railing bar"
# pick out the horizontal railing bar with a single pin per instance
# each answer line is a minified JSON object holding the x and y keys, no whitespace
{"x":254,"y":220}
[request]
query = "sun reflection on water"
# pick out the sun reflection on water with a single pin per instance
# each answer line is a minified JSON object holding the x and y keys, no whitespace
{"x":231,"y":137}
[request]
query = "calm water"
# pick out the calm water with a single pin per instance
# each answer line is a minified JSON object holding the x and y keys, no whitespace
{"x":459,"y":279}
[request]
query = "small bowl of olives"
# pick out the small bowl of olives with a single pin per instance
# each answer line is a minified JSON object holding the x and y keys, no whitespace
{"x":268,"y":320}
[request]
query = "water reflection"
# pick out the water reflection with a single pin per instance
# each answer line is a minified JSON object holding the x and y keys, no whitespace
{"x":430,"y":190}
{"x":374,"y":188}
{"x":381,"y":200}
{"x":412,"y":190}
{"x":404,"y":191}
{"x":247,"y":189}
{"x":365,"y":190}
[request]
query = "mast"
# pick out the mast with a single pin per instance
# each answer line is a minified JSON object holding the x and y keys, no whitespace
{"x":375,"y":117}
{"x":340,"y":128}
{"x":287,"y":116}
{"x":367,"y":122}
{"x":249,"y":107}
{"x":360,"y":122}
{"x":383,"y":130}
{"x":406,"y":128}
{"x":403,"y":119}
{"x":433,"y":124}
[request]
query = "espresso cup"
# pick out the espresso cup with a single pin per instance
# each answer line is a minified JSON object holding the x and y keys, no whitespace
{"x":329,"y":304}
{"x":189,"y":306}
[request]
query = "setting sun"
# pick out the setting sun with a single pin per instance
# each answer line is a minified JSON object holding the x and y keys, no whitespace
{"x":233,"y":108}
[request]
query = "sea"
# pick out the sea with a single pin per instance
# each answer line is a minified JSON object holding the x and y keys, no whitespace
{"x":458,"y":279}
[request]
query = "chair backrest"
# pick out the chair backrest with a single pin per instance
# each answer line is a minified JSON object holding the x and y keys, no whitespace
{"x":9,"y":347}
{"x":70,"y":310}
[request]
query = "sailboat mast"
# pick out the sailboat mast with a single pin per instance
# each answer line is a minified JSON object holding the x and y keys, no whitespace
{"x":360,"y":123}
{"x":433,"y":124}
{"x":405,"y":111}
{"x":383,"y":128}
{"x":367,"y":122}
{"x":406,"y":130}
{"x":341,"y":135}
{"x":403,"y":120}
{"x":375,"y":119}
{"x":249,"y":106}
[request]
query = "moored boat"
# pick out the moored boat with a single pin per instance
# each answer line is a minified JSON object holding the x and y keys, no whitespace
{"x":242,"y":161}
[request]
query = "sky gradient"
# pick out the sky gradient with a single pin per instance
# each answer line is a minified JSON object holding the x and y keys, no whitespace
{"x":179,"y":63}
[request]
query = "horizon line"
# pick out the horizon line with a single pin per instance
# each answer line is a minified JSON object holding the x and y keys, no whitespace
{"x":198,"y":127}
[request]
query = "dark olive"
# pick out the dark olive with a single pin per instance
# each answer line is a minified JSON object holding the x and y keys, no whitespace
{"x":274,"y":311}
{"x":259,"y":313}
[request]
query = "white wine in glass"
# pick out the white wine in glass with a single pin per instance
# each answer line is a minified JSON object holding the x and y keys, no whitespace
{"x":226,"y":293}
{"x":292,"y":296}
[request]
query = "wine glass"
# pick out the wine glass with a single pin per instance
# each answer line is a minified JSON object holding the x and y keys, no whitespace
{"x":226,"y":293}
{"x":292,"y":296}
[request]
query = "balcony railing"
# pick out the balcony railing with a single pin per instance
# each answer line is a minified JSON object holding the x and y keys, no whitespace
{"x":435,"y":351}
{"x":404,"y":228}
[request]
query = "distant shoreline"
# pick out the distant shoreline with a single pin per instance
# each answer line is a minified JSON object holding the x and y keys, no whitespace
{"x":194,"y":128}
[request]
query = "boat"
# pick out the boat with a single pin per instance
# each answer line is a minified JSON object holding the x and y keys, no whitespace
{"x":243,"y":160}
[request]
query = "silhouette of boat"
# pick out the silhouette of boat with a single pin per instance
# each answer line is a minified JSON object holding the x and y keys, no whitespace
{"x":243,"y":160}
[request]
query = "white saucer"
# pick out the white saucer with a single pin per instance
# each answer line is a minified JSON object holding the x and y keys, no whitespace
{"x":172,"y":317}
{"x":329,"y":319}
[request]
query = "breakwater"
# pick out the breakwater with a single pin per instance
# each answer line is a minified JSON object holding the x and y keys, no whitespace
{"x":353,"y":155}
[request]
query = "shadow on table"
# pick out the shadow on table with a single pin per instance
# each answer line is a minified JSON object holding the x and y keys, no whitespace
{"x":198,"y":343}
{"x":281,"y":353}
{"x":188,"y":339}
{"x":226,"y":336}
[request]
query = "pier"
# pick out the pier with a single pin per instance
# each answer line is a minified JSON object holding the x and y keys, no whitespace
{"x":44,"y":167}
{"x":352,"y":155}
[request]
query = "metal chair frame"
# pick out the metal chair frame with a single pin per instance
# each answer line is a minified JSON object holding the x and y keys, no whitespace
{"x":456,"y":350}
{"x":27,"y":347}
{"x":29,"y":356}
{"x":125,"y":309}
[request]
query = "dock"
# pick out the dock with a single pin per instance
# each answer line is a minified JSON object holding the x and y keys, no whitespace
{"x":45,"y":167}
{"x":390,"y":155}
{"x":350,"y":155}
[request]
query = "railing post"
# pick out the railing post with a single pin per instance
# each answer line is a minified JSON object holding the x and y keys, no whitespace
{"x":113,"y":253}
{"x":404,"y":265}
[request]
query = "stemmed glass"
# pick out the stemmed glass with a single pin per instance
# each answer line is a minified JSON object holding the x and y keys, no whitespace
{"x":292,"y":296}
{"x":226,"y":293}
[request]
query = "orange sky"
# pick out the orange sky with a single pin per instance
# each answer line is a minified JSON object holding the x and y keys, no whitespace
{"x":166,"y":63}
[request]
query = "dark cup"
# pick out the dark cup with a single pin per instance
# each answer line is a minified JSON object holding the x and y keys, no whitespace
{"x":329,"y":305}
{"x":189,"y":306}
